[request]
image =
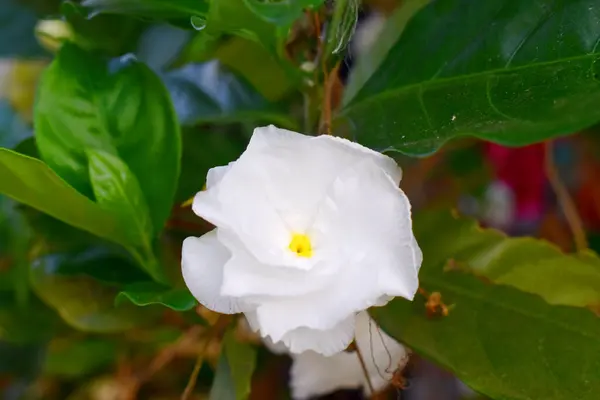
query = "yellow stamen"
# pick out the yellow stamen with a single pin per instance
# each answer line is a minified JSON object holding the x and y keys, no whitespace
{"x":300,"y":245}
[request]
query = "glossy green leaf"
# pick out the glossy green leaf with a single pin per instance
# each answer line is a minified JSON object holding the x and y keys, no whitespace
{"x":529,"y":264}
{"x":121,"y":108}
{"x":147,"y":293}
{"x":281,"y":12}
{"x":116,"y":189}
{"x":31,"y":182}
{"x":207,"y":92}
{"x":234,"y":370}
{"x":512,"y":72}
{"x":77,"y":358}
{"x":504,"y":343}
{"x":83,"y":302}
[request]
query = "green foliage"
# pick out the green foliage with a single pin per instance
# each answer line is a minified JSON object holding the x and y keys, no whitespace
{"x":91,"y":220}
{"x":234,"y":370}
{"x":120,"y":108}
{"x":147,"y":293}
{"x":503,"y":343}
{"x":74,"y":359}
{"x":531,"y":265}
{"x":82,"y":301}
{"x":516,"y":73}
{"x":30,"y":181}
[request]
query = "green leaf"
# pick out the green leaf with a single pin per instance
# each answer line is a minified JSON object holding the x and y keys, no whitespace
{"x":234,"y":370}
{"x":511,"y":72}
{"x":503,"y":343}
{"x":31,"y":182}
{"x":83,"y":302}
{"x":529,"y":264}
{"x":281,"y":12}
{"x":207,"y":92}
{"x":147,"y":293}
{"x":121,"y":108}
{"x":117,"y":190}
{"x":74,"y":359}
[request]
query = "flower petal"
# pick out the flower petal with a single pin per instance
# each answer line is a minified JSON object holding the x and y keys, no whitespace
{"x":202,"y":264}
{"x":378,"y":237}
{"x":326,"y":342}
{"x":244,"y":275}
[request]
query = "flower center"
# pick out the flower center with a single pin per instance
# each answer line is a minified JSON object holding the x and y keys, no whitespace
{"x":300,"y":245}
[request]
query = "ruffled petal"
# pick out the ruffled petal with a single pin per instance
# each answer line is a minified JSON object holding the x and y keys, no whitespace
{"x":326,"y":342}
{"x":202,"y":264}
{"x":378,"y":237}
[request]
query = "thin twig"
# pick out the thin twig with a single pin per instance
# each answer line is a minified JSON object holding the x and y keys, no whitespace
{"x":564,"y":199}
{"x":363,"y":366}
{"x":215,"y":331}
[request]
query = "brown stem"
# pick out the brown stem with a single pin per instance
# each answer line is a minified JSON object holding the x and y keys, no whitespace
{"x":363,"y":366}
{"x":215,"y":331}
{"x":564,"y":199}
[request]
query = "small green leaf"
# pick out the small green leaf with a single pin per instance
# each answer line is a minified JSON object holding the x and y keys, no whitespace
{"x":147,"y":293}
{"x":83,"y":302}
{"x":531,"y":265}
{"x":117,"y":190}
{"x":234,"y":370}
{"x":511,"y":72}
{"x":121,"y":108}
{"x":207,"y":92}
{"x":74,"y":359}
{"x":503,"y":343}
{"x":31,"y":182}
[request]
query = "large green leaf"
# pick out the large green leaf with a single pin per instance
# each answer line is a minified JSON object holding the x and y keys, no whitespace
{"x":509,"y":71}
{"x":83,"y":302}
{"x":207,"y":92}
{"x":506,"y":344}
{"x":120,"y":108}
{"x":117,"y":190}
{"x":532,"y":265}
{"x":147,"y":293}
{"x":31,"y":182}
{"x":234,"y":370}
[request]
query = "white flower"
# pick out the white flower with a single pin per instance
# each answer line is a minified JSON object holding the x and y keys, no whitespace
{"x":315,"y":375}
{"x":310,"y":231}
